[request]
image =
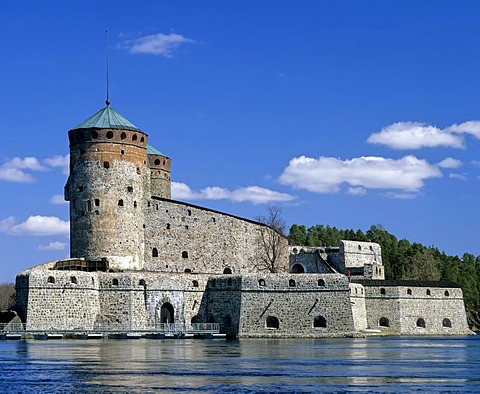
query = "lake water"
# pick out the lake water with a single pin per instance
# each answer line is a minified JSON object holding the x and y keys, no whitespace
{"x":369,"y":365}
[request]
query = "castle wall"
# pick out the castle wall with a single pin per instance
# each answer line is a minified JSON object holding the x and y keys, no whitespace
{"x":359,"y":309}
{"x":58,"y":300}
{"x":406,"y":307}
{"x":181,"y":237}
{"x":296,"y":301}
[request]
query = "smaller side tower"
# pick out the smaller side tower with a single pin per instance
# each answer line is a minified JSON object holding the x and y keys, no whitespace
{"x":159,"y":173}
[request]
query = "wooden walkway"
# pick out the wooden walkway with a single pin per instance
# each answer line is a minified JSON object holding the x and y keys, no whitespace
{"x":17,"y":331}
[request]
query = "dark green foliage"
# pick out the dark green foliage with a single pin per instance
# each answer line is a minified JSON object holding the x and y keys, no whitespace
{"x":402,"y":259}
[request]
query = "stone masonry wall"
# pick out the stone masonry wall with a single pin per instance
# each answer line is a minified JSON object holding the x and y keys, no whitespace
{"x":403,"y":306}
{"x":182,"y":237}
{"x":295,"y":300}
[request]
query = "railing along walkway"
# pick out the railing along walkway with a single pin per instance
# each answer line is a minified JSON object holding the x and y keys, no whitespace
{"x":107,"y":328}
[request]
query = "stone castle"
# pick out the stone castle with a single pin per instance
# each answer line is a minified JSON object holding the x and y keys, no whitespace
{"x":139,"y":258}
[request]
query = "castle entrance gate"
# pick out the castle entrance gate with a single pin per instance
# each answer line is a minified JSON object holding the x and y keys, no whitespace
{"x":166,"y":313}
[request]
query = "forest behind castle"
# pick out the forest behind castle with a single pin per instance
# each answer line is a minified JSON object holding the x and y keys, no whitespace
{"x":402,"y":259}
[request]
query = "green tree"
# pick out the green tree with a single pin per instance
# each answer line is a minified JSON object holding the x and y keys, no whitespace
{"x":297,"y":235}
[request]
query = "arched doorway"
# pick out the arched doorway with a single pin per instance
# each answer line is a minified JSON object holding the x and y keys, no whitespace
{"x":166,"y":313}
{"x":298,"y":269}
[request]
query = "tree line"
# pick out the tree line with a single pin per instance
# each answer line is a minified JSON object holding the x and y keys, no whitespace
{"x":403,"y":260}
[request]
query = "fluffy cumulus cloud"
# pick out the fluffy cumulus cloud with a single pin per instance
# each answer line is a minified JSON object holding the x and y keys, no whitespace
{"x":35,"y":225}
{"x":20,"y":170}
{"x":253,"y":194}
{"x":450,"y":163}
{"x":56,"y":245}
{"x":329,"y":174}
{"x":412,"y":135}
{"x":157,"y":44}
{"x":471,"y":127}
{"x":61,"y":162}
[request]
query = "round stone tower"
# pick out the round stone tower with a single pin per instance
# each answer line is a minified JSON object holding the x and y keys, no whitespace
{"x":159,"y":173}
{"x":109,"y":174}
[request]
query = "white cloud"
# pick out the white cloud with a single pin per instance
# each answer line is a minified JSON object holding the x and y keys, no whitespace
{"x":19,"y":169}
{"x":328,"y":174}
{"x":357,"y":191}
{"x":471,"y":127}
{"x":413,"y":135}
{"x":58,"y":199}
{"x":56,"y":245}
{"x":59,"y":161}
{"x":460,"y":177}
{"x":450,"y":163}
{"x":35,"y":225}
{"x":157,"y":44}
{"x":14,"y":170}
{"x":253,"y":194}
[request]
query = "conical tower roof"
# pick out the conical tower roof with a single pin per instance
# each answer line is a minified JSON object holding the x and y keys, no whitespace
{"x":107,"y":118}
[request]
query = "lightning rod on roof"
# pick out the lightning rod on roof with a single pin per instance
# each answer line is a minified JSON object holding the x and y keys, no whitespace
{"x":107,"y":101}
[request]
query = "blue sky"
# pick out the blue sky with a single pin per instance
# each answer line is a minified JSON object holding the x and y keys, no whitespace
{"x":342,"y":113}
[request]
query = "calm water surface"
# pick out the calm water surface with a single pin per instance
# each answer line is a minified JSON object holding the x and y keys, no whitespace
{"x":369,"y":365}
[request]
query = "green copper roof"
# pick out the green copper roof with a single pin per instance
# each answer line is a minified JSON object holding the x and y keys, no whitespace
{"x":153,"y":151}
{"x":107,"y":118}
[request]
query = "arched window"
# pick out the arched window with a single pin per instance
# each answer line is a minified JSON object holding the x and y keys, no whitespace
{"x":106,"y":164}
{"x":51,"y":279}
{"x":321,"y":283}
{"x":429,"y":292}
{"x":188,"y":212}
{"x":187,"y":271}
{"x":447,"y":294}
{"x":109,"y":134}
{"x":227,"y":271}
{"x":212,"y":220}
{"x":94,"y":135}
{"x":298,"y":269}
{"x":73,"y":280}
{"x":382,"y":291}
{"x":421,"y":323}
{"x":185,"y":254}
{"x":261,"y":282}
{"x":134,"y":137}
{"x":409,"y":291}
{"x":114,"y":282}
{"x":157,"y":162}
{"x":154,"y":252}
{"x":359,"y":247}
{"x":319,"y":322}
{"x":142,"y":282}
{"x":291,"y":283}
{"x":384,"y":322}
{"x":195,"y":319}
{"x":120,"y":203}
{"x":272,"y":322}
{"x":447,"y":323}
{"x":195,"y":283}
{"x":123,"y":136}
